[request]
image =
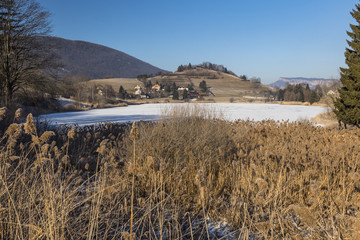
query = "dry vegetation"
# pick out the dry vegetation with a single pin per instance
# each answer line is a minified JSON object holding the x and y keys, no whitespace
{"x":326,"y":119}
{"x":222,"y":84}
{"x":190,"y":177}
{"x":115,"y":83}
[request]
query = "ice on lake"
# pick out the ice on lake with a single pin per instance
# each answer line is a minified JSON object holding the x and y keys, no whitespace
{"x":153,"y":112}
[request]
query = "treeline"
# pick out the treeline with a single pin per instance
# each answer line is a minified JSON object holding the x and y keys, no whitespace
{"x":301,"y":93}
{"x":206,"y":65}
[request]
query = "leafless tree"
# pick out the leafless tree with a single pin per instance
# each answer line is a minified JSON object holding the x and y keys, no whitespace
{"x":22,"y":57}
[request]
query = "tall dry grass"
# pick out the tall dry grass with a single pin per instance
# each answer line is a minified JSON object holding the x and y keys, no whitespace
{"x":190,"y":176}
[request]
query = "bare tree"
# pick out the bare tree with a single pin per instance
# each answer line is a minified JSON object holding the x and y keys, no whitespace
{"x":22,"y":56}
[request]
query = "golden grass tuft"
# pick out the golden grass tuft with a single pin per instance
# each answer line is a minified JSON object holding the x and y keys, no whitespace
{"x":19,"y":113}
{"x":71,"y":133}
{"x":12,"y":129}
{"x":134,"y":133}
{"x":46,"y":136}
{"x":3,"y":112}
{"x":29,"y":126}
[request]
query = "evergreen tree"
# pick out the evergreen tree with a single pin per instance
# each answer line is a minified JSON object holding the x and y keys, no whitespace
{"x":181,"y":68}
{"x":299,"y":93}
{"x":175,"y":94}
{"x":185,"y":94}
{"x":122,"y":93}
{"x":314,"y":97}
{"x":174,"y":87}
{"x":243,"y":77}
{"x":280,"y":96}
{"x":203,"y":85}
{"x":167,"y":88}
{"x":347,"y":106}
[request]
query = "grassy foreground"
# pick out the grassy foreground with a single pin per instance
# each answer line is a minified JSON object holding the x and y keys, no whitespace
{"x":191,"y":177}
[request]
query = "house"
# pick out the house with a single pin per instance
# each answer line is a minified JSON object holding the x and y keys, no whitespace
{"x":138,"y":90}
{"x":156,"y":87}
{"x":194,"y":94}
{"x":182,"y":89}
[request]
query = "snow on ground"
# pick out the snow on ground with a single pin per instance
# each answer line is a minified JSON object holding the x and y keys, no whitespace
{"x":152,"y":112}
{"x":67,"y":101}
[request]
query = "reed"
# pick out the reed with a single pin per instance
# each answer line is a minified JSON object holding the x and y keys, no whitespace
{"x":189,"y":176}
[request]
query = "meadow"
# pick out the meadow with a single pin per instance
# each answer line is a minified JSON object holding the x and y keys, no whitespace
{"x":192,"y":176}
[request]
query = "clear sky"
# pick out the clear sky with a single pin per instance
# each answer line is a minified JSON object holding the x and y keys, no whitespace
{"x":259,"y":38}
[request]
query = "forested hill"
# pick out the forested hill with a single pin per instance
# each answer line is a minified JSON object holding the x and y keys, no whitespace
{"x":96,"y":61}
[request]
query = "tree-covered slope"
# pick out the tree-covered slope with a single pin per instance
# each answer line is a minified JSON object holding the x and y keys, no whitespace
{"x":96,"y":61}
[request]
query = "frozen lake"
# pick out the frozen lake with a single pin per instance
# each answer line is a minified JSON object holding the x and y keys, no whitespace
{"x":151,"y":112}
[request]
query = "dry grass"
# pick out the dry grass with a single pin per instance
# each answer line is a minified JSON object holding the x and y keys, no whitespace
{"x":302,"y":103}
{"x":222,"y":84}
{"x":327,"y":119}
{"x":178,"y":178}
{"x":128,"y":83}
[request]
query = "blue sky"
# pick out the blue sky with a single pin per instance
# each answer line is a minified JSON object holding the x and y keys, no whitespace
{"x":258,"y":38}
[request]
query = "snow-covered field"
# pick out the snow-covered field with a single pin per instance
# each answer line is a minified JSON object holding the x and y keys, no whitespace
{"x":150,"y":112}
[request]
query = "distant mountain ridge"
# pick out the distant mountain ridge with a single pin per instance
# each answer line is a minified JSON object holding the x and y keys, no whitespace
{"x":95,"y":61}
{"x":313,"y":82}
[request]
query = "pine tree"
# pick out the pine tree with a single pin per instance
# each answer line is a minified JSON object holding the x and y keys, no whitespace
{"x":122,"y":93}
{"x":347,"y":106}
{"x":280,"y":96}
{"x":314,"y":97}
{"x":185,"y":94}
{"x":203,"y":86}
{"x":167,"y":88}
{"x":181,"y":68}
{"x":175,"y":94}
{"x":174,"y":87}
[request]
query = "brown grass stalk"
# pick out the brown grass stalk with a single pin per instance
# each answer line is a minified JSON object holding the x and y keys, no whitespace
{"x":258,"y":180}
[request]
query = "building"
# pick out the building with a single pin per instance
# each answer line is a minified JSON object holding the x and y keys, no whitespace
{"x":138,"y":90}
{"x":156,"y":87}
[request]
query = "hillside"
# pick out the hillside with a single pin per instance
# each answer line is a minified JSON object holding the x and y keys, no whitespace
{"x":222,"y":84}
{"x":313,"y":82}
{"x":95,"y":61}
{"x":128,"y":83}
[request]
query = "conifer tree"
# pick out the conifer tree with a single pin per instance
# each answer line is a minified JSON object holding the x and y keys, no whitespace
{"x":203,"y":86}
{"x":175,"y":94}
{"x":347,"y":106}
{"x":185,"y":94}
{"x":122,"y":92}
